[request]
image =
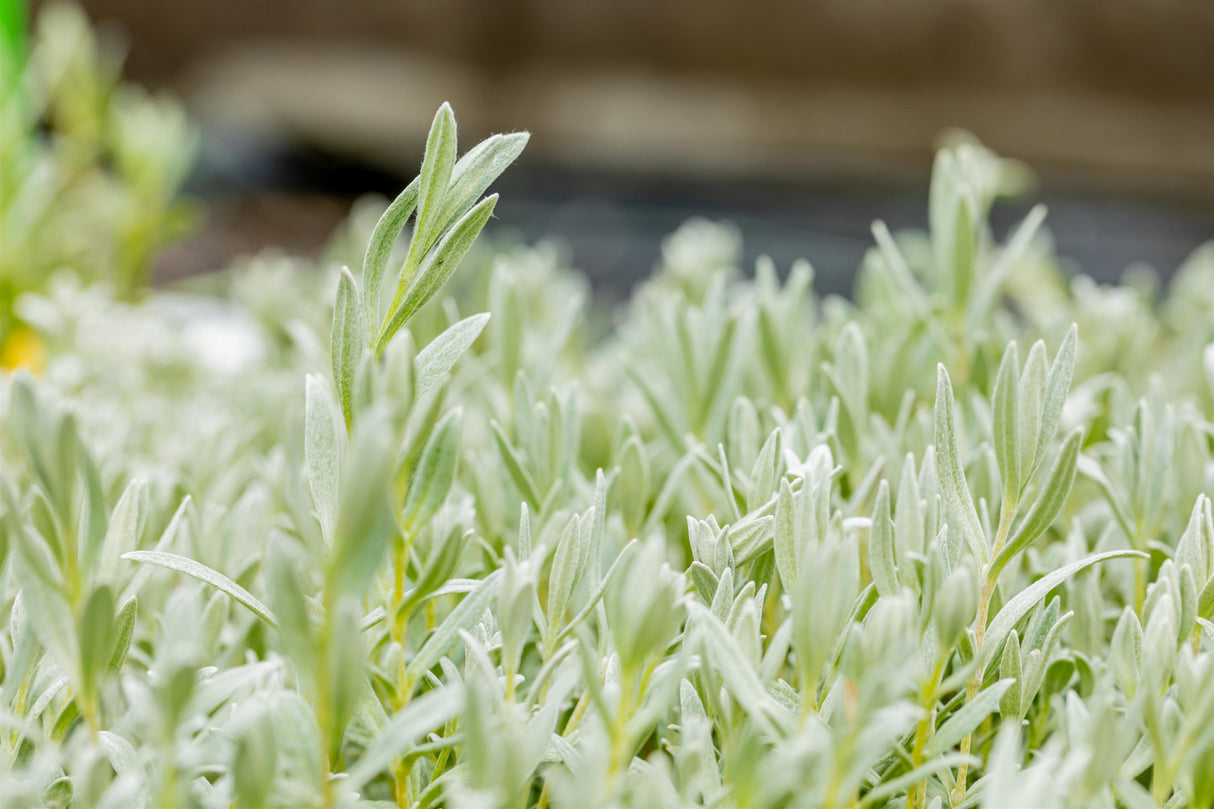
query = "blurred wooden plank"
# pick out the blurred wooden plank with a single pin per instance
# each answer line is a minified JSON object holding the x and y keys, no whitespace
{"x":377,"y":105}
{"x":1119,"y":89}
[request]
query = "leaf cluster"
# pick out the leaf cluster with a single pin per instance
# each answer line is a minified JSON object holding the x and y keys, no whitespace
{"x":451,"y":544}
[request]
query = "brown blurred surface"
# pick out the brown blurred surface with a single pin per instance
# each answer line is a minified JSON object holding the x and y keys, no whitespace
{"x":801,"y":121}
{"x":1119,"y":90}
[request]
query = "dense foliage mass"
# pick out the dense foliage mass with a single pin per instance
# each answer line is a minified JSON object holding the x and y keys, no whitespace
{"x":950,"y":544}
{"x":90,"y":165}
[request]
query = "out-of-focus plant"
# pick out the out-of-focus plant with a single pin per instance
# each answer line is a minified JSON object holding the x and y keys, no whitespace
{"x":380,"y":547}
{"x":90,"y":167}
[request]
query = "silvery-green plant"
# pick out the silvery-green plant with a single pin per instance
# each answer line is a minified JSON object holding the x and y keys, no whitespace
{"x":453,"y":544}
{"x":91,"y":166}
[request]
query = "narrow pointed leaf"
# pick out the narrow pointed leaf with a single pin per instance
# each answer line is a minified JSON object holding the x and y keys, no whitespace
{"x":435,"y":473}
{"x":405,"y":729}
{"x":965,"y":720}
{"x":434,"y":361}
{"x":1020,"y":604}
{"x":1050,"y":500}
{"x":379,"y":249}
{"x":477,"y":169}
{"x":433,"y":180}
{"x":881,"y":559}
{"x":197,"y":570}
{"x":1004,"y":417}
{"x":957,"y":497}
{"x":1057,"y":386}
{"x":437,"y":267}
{"x":347,"y":341}
{"x":324,"y":439}
{"x":460,"y":619}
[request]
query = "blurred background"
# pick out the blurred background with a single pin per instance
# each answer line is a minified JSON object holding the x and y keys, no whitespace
{"x":800,"y":121}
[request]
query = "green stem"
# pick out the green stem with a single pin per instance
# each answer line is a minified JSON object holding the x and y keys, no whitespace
{"x":1140,"y":578}
{"x":990,"y":577}
{"x":842,"y":751}
{"x":400,"y":775}
{"x":619,"y":729}
{"x":398,"y":296}
{"x":918,"y":796}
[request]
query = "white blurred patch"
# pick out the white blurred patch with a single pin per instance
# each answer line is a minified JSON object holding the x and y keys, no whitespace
{"x":221,"y":339}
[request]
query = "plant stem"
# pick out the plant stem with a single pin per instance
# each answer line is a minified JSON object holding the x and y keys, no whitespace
{"x":918,"y":797}
{"x":990,"y":577}
{"x":1140,"y":571}
{"x":400,"y":775}
{"x":619,"y":730}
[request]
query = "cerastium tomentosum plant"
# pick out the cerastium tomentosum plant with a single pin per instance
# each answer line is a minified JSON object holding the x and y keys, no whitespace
{"x":749,"y":548}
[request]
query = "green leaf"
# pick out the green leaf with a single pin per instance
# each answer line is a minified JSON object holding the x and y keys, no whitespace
{"x":565,"y":572}
{"x":117,"y":749}
{"x":436,"y":268}
{"x":124,"y":630}
{"x":887,"y":789}
{"x":632,"y":484}
{"x":379,"y":249}
{"x":908,"y":510}
{"x":347,"y":667}
{"x":1057,"y":386}
{"x":197,"y":570}
{"x":255,"y":761}
{"x":433,"y":180}
{"x":1012,"y":252}
{"x":347,"y":342}
{"x":596,"y":528}
{"x":364,"y":524}
{"x":460,"y":619}
{"x":703,"y":579}
{"x":1049,"y":501}
{"x":763,"y":473}
{"x":372,"y":619}
{"x":1030,"y":410}
{"x":324,"y":445}
{"x":771,"y":347}
{"x":1011,"y":667}
{"x":93,"y":515}
{"x":784,"y":536}
{"x":435,"y":473}
{"x":951,"y":471}
{"x":166,"y":539}
{"x":524,"y":533}
{"x":881,"y":557}
{"x":122,"y":534}
{"x":1005,"y":422}
{"x":898,"y":266}
{"x":13,"y":49}
{"x":41,"y":587}
{"x":96,"y":629}
{"x":741,"y":680}
{"x":434,"y":361}
{"x":964,"y":249}
{"x":285,"y":591}
{"x":514,"y":467}
{"x":67,"y":448}
{"x":967,"y":719}
{"x":1125,"y":652}
{"x":722,"y":600}
{"x":406,"y":728}
{"x":477,"y":169}
{"x":1196,"y":545}
{"x":599,"y":591}
{"x":1019,"y":605}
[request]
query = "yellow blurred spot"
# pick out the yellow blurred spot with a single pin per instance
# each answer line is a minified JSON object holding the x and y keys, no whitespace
{"x":23,"y":348}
